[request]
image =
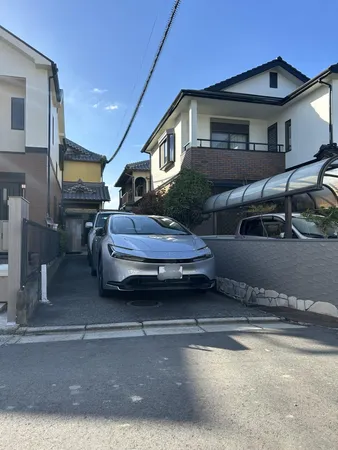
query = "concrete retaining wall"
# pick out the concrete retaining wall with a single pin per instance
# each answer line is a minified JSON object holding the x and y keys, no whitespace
{"x":300,"y":274}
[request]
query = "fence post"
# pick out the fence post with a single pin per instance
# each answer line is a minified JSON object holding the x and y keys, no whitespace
{"x":18,"y":210}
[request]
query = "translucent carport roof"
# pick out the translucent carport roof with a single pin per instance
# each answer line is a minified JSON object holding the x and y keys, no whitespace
{"x":298,"y":181}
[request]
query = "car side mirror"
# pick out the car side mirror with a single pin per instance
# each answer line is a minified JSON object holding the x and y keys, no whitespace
{"x":89,"y":225}
{"x":99,"y":232}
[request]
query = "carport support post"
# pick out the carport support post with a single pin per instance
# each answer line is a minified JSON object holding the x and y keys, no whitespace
{"x":288,"y":217}
{"x":214,"y":223}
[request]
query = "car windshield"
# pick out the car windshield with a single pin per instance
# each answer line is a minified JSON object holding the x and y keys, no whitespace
{"x":310,"y":229}
{"x":146,"y":225}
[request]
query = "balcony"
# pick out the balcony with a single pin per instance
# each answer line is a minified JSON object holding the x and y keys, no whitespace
{"x":234,"y":160}
{"x":238,"y":145}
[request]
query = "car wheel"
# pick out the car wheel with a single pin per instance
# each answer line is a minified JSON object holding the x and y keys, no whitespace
{"x":102,"y":292}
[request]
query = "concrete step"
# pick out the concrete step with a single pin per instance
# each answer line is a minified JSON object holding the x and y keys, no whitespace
{"x":3,"y":307}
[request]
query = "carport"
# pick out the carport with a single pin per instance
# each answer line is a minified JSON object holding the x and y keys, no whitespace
{"x":318,"y":182}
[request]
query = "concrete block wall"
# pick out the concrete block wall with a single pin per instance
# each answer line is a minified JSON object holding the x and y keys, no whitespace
{"x":300,"y":274}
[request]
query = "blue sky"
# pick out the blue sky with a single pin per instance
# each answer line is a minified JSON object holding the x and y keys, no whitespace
{"x":104,"y":49}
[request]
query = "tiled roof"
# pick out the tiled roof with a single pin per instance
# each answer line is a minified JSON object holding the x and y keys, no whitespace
{"x":75,"y":152}
{"x":139,"y":165}
{"x":278,"y":62}
{"x":85,"y":191}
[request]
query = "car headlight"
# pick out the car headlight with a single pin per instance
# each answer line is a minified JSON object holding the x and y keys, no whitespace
{"x":206,"y":255}
{"x":115,"y":253}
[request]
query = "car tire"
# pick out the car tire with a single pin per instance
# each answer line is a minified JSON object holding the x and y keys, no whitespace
{"x":93,"y":272}
{"x":102,"y":292}
{"x":89,"y":258}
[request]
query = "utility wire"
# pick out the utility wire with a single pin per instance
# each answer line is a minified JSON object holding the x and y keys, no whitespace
{"x":145,"y":87}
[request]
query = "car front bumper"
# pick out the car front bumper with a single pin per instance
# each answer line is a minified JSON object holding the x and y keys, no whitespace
{"x":125,"y":275}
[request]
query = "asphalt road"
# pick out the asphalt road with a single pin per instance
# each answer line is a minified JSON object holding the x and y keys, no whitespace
{"x":234,"y":390}
{"x":75,"y":301}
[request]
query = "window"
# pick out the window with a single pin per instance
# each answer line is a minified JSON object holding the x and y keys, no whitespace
{"x":229,"y":135}
{"x":288,"y":147}
{"x":274,"y":80}
{"x":17,"y":113}
{"x":167,"y":150}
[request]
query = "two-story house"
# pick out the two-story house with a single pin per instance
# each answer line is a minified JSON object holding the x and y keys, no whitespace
{"x":254,"y":125}
{"x":133,"y":182}
{"x":84,"y":192}
{"x":31,"y":129}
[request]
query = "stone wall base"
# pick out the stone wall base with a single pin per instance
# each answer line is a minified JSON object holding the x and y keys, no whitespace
{"x":250,"y":295}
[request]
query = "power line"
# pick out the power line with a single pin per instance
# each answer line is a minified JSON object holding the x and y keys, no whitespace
{"x":145,"y":87}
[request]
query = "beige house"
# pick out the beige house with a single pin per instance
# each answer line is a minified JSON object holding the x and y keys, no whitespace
{"x":133,"y":182}
{"x":32,"y":129}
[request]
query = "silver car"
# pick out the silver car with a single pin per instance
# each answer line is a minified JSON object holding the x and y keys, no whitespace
{"x":150,"y":252}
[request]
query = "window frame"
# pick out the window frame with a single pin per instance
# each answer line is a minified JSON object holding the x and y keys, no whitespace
{"x":230,"y":129}
{"x":167,"y":150}
{"x":273,"y":78}
{"x":14,"y":121}
{"x":288,"y":136}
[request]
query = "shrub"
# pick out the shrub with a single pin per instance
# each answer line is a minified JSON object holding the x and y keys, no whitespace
{"x":186,"y":197}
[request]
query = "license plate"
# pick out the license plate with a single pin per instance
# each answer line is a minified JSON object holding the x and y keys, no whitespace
{"x":171,"y":272}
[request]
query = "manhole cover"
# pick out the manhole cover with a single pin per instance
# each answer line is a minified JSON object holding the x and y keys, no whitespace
{"x":145,"y":303}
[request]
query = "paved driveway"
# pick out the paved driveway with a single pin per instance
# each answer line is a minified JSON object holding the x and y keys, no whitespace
{"x":75,"y":300}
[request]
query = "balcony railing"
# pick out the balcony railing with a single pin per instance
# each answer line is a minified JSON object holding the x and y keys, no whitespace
{"x":237,"y":145}
{"x":126,"y":198}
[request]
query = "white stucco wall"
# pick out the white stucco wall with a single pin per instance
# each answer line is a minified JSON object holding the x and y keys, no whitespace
{"x":260,"y":85}
{"x":335,"y":109}
{"x":309,"y":126}
{"x":159,"y":176}
{"x":10,"y":140}
{"x":54,"y":143}
{"x":16,"y":64}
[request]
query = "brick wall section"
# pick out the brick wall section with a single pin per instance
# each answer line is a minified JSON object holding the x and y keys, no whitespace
{"x":220,"y":164}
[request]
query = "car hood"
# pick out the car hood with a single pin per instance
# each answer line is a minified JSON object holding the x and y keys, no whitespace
{"x":158,"y":243}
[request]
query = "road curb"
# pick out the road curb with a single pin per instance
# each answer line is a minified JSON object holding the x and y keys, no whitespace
{"x":169,"y":323}
{"x":114,"y":326}
{"x":24,"y":331}
{"x":56,"y":329}
{"x":264,"y":319}
{"x":221,"y":320}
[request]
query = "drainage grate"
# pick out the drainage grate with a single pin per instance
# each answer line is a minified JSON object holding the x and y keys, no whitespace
{"x":145,"y":303}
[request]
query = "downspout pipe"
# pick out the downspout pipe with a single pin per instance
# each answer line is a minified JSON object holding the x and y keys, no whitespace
{"x":49,"y":139}
{"x":330,"y":109}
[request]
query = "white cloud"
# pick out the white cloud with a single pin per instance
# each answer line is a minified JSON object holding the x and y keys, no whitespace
{"x":114,"y":198}
{"x":98,"y":91}
{"x":96,"y":105}
{"x":111,"y":107}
